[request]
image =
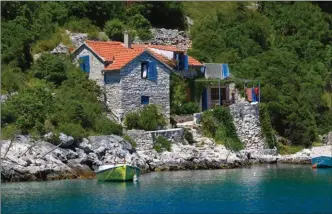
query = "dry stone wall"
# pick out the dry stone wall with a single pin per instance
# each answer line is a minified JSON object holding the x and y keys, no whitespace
{"x":246,"y":120}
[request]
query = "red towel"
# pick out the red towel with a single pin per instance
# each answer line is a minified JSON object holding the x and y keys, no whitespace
{"x":249,"y":94}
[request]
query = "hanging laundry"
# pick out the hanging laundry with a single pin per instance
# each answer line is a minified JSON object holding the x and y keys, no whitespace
{"x":257,"y":93}
{"x":254,"y":97}
{"x":249,"y":94}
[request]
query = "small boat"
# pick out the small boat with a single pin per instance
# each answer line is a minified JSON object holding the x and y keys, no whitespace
{"x":321,"y":162}
{"x":117,"y":172}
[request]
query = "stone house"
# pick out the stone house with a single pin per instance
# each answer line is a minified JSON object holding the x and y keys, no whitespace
{"x":133,"y":75}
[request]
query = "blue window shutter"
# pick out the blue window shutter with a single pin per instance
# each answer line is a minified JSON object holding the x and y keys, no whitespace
{"x":87,"y":64}
{"x":177,"y":60}
{"x":225,"y":70}
{"x":185,"y":62}
{"x":152,"y":72}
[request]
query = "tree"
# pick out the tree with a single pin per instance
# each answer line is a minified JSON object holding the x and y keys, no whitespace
{"x":114,"y":29}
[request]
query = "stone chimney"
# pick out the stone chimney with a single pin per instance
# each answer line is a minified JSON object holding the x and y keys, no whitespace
{"x":127,"y":40}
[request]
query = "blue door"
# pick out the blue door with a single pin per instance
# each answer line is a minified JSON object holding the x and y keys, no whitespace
{"x":204,"y":100}
{"x":85,"y":63}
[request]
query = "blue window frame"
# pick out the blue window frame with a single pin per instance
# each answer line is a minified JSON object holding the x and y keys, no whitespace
{"x":145,"y":100}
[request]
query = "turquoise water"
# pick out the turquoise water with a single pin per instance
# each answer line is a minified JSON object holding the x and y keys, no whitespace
{"x":258,"y":189}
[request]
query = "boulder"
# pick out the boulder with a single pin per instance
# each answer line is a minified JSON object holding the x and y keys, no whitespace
{"x":66,"y":140}
{"x":60,"y":49}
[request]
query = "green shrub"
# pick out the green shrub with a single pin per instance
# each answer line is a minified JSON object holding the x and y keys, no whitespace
{"x":190,"y":108}
{"x":188,"y":136}
{"x":8,"y":132}
{"x":218,"y":124}
{"x":81,"y":26}
{"x":99,"y":36}
{"x":12,"y":79}
{"x":74,"y":130}
{"x":151,"y":118}
{"x":130,"y":140}
{"x":51,"y":68}
{"x":162,"y":144}
{"x":266,"y":126}
{"x":209,"y":124}
{"x":105,"y":126}
{"x":148,"y":118}
{"x":132,"y":120}
{"x":114,"y":29}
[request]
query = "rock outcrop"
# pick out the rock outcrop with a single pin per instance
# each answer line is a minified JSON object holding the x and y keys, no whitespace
{"x":60,"y":49}
{"x":25,"y":159}
{"x":162,"y":36}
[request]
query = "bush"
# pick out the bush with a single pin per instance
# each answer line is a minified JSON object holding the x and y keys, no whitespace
{"x":266,"y":126}
{"x":151,"y":118}
{"x":162,"y":144}
{"x":105,"y":126}
{"x":81,"y":26}
{"x":218,"y":124}
{"x":209,"y":124}
{"x":12,"y":79}
{"x":188,"y":136}
{"x":8,"y":132}
{"x":114,"y":29}
{"x":148,"y":118}
{"x":132,"y":120}
{"x":97,"y":36}
{"x":51,"y":68}
{"x":130,"y":140}
{"x":74,"y":130}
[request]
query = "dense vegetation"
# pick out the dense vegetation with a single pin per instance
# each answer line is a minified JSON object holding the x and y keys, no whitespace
{"x":148,"y":118}
{"x":53,"y":95}
{"x":288,"y":46}
{"x":56,"y":97}
{"x":218,"y":124}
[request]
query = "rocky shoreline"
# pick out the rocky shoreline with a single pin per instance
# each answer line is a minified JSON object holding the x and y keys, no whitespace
{"x":25,"y":159}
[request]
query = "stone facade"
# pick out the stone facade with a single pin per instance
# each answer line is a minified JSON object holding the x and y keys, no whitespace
{"x":124,"y":91}
{"x":246,"y":120}
{"x":96,"y":64}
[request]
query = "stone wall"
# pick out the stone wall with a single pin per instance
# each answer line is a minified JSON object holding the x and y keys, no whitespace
{"x":96,"y":65}
{"x":113,"y":93}
{"x":133,"y":87}
{"x":146,"y":139}
{"x":246,"y":120}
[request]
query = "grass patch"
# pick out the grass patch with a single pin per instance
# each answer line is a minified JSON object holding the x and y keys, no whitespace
{"x":289,"y":149}
{"x":317,"y":144}
{"x":49,"y":44}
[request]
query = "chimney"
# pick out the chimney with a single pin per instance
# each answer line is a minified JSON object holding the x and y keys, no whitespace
{"x":127,"y":40}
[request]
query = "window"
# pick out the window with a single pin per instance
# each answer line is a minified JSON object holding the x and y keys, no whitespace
{"x":145,"y":100}
{"x":144,"y":70}
{"x":214,"y":93}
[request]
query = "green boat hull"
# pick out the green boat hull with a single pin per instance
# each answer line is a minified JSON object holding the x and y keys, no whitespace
{"x":118,"y":173}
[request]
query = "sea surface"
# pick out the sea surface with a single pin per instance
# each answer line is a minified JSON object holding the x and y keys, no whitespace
{"x":256,"y":189}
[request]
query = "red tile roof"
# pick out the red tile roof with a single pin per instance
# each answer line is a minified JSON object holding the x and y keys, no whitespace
{"x":106,"y":49}
{"x":194,"y":62}
{"x":120,"y":56}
